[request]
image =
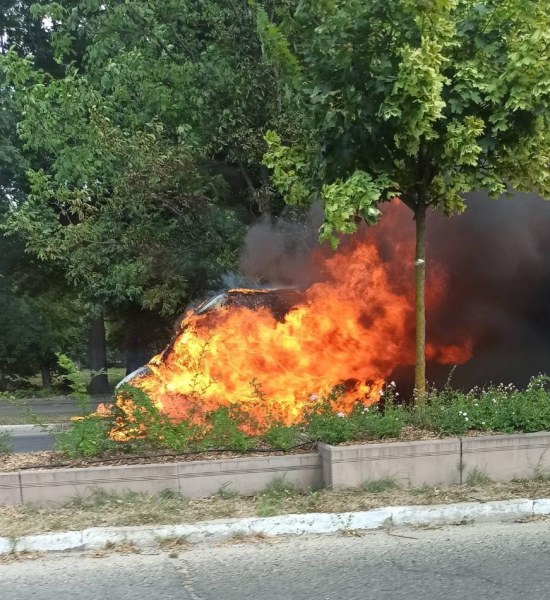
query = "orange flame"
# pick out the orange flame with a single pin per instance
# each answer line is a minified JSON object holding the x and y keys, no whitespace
{"x":352,"y":328}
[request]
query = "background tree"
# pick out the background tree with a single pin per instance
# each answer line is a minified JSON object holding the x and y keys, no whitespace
{"x":420,"y":100}
{"x":152,"y":142}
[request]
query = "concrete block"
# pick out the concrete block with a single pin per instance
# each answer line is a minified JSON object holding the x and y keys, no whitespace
{"x":10,"y":489}
{"x":61,"y":485}
{"x":411,"y":464}
{"x":248,"y":476}
{"x":541,"y":507}
{"x":455,"y":514}
{"x":507,"y":457}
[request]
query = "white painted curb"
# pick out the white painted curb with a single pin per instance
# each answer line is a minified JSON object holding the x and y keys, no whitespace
{"x":306,"y":524}
{"x":33,"y":429}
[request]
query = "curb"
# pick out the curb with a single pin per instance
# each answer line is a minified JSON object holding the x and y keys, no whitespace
{"x":303,"y":524}
{"x":29,"y":428}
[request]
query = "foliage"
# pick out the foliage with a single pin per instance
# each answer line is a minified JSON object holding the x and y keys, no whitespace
{"x":282,"y":437}
{"x":364,"y":422}
{"x":133,"y":206}
{"x":424,"y":100}
{"x":6,"y":443}
{"x":86,"y":438}
{"x":222,"y":431}
{"x":501,"y":408}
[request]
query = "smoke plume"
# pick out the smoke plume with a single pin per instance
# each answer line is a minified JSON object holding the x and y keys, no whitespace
{"x":488,"y":277}
{"x":279,"y":252}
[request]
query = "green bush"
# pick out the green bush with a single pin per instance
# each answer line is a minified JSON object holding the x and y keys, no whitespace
{"x":282,"y":437}
{"x":223,"y":432}
{"x":363,"y":423}
{"x":86,"y":438}
{"x":501,"y":408}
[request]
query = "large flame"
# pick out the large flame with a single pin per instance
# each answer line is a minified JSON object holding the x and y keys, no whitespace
{"x":353,"y":328}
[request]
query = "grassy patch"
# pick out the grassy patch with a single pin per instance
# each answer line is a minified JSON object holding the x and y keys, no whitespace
{"x":6,"y":443}
{"x":447,"y":412}
{"x":378,"y":486}
{"x":475,"y":477}
{"x":103,"y":509}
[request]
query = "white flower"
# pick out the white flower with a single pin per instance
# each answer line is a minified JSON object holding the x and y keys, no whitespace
{"x":340,"y":414}
{"x":314,"y":397}
{"x":466,"y":419}
{"x":381,"y":392}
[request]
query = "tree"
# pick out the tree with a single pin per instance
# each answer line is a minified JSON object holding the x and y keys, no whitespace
{"x":41,"y":313}
{"x":144,"y":135}
{"x":420,"y":100}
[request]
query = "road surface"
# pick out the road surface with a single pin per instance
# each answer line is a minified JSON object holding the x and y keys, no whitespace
{"x":481,"y":562}
{"x":29,"y":439}
{"x":33,"y":439}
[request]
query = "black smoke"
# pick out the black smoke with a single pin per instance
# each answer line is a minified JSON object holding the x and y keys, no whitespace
{"x":496,"y":261}
{"x":278,"y":252}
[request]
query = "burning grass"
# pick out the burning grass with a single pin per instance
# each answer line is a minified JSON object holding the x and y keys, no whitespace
{"x":104,"y":510}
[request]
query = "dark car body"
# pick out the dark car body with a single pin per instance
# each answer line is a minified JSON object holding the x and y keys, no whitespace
{"x":278,"y":300}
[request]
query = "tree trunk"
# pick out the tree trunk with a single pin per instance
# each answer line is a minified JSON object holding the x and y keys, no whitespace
{"x":46,"y":374}
{"x":99,"y":385}
{"x":420,"y":302}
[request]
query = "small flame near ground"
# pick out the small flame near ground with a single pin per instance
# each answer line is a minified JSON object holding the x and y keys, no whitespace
{"x":351,"y":329}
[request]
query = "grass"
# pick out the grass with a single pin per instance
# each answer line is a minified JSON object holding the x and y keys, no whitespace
{"x":103,"y":509}
{"x":379,"y":486}
{"x":475,"y":477}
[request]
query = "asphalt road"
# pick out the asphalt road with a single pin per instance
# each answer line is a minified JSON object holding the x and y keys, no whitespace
{"x":30,"y":440}
{"x":60,"y":405}
{"x":481,"y":562}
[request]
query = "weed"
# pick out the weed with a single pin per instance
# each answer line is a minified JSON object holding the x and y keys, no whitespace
{"x":226,"y":493}
{"x":274,"y":496}
{"x":476,"y":477}
{"x":379,"y":486}
{"x":281,"y":437}
{"x":6,"y":443}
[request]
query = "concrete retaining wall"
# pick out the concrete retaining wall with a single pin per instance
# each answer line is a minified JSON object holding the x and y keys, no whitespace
{"x":191,"y":479}
{"x":429,"y":462}
{"x":507,"y":457}
{"x":411,"y":464}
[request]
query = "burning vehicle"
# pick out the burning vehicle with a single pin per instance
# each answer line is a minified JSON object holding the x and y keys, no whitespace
{"x":278,"y":300}
{"x":272,"y":356}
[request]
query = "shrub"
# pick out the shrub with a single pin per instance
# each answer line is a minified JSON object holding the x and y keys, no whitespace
{"x":501,"y":408}
{"x":363,"y":423}
{"x":222,"y":431}
{"x":86,"y":438}
{"x":282,"y":437}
